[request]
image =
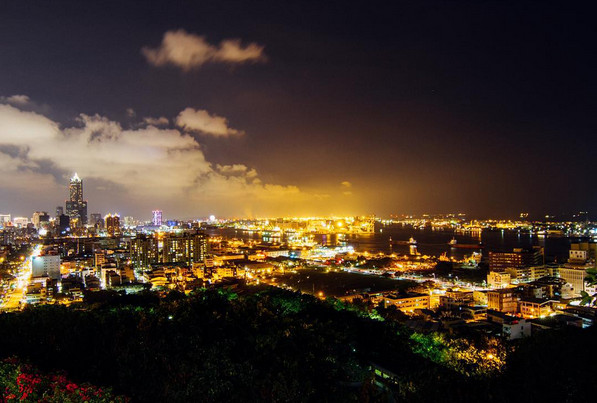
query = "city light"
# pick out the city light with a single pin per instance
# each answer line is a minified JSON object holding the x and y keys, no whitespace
{"x":306,"y":201}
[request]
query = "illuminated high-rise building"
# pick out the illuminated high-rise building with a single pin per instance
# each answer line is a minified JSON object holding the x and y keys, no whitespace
{"x":76,"y":207}
{"x":187,"y":248}
{"x":157,"y":217}
{"x":112,"y":224}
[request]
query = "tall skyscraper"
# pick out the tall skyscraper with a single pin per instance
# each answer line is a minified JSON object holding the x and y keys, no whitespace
{"x":157,"y":217}
{"x":59,"y":211}
{"x":76,"y":207}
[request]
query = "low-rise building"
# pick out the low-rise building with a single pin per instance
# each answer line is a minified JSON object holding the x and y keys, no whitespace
{"x":407,"y":303}
{"x":498,"y":279}
{"x":480,"y":297}
{"x":575,"y":276}
{"x":454,"y":299}
{"x":531,"y":308}
{"x":511,"y":327}
{"x":219,"y":272}
{"x":503,"y":300}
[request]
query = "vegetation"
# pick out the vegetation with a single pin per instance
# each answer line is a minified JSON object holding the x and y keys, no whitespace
{"x":262,"y":345}
{"x":22,"y":382}
{"x":591,"y":279}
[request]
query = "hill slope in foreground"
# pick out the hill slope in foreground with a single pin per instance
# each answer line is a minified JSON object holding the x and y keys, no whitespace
{"x":275,"y":345}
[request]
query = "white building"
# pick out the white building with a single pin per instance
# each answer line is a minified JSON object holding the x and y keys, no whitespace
{"x":46,"y":265}
{"x":4,"y":219}
{"x":516,"y":329}
{"x":575,"y":276}
{"x":20,"y":221}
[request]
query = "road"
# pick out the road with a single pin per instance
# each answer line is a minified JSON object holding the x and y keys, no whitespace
{"x":13,"y":298}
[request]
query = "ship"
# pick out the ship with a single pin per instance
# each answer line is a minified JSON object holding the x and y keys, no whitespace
{"x":412,"y":241}
{"x":454,"y":244}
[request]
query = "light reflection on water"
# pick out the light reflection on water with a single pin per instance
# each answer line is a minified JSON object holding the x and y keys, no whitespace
{"x":429,"y":242}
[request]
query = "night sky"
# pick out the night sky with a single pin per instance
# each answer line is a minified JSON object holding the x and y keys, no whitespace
{"x":298,"y":108}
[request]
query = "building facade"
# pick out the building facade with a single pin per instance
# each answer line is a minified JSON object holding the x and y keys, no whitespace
{"x":46,"y":265}
{"x":518,"y":258}
{"x":112,"y":224}
{"x":186,"y":248}
{"x":156,"y":217}
{"x":76,"y":207}
{"x":503,"y":300}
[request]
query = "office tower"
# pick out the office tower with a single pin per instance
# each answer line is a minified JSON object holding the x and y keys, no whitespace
{"x":157,"y":217}
{"x":59,"y":211}
{"x":76,"y":207}
{"x":112,"y":224}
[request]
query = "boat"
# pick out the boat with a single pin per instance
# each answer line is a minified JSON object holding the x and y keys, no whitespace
{"x":411,"y":241}
{"x":555,"y":233}
{"x":454,"y":244}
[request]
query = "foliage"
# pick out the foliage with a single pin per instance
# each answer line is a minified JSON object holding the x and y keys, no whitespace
{"x":23,"y":382}
{"x":591,"y":278}
{"x":212,"y":346}
{"x":257,"y":344}
{"x":462,"y":355}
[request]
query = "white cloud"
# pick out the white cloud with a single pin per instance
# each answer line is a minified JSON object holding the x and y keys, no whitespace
{"x":188,"y":51}
{"x":201,"y":121}
{"x":161,"y":121}
{"x":142,"y":168}
{"x":346,"y":184}
{"x":234,"y":169}
{"x":16,"y":100}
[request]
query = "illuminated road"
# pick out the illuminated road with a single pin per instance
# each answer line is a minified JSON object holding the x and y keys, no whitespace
{"x":13,"y":298}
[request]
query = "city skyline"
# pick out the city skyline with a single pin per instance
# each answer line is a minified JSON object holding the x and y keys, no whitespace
{"x":441,"y":107}
{"x":297,"y":201}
